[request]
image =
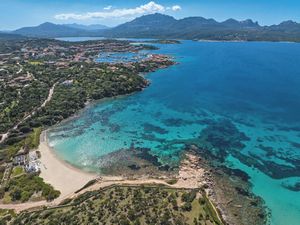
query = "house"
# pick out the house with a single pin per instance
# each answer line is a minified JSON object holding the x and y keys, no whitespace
{"x":32,"y":167}
{"x":32,"y":156}
{"x":33,"y":164}
{"x":67,"y":82}
{"x":20,"y":160}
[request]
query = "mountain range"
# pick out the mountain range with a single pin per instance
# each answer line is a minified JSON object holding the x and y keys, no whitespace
{"x":87,"y":27}
{"x":164,"y":26}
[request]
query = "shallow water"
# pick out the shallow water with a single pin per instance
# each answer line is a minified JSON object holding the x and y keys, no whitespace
{"x":255,"y":86}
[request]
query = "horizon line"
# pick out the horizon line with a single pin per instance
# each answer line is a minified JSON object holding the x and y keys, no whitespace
{"x":93,"y":23}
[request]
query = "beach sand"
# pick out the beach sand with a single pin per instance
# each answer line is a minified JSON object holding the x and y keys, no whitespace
{"x":68,"y":179}
{"x":59,"y":174}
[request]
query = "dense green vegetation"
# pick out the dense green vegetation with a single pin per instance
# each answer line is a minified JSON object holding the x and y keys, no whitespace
{"x":30,"y":141}
{"x":26,"y":79}
{"x":6,"y":215}
{"x":32,"y":69}
{"x":24,"y":187}
{"x":128,"y":205}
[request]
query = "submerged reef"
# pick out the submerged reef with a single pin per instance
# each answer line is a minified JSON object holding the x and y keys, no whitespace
{"x":176,"y":122}
{"x":150,"y":128}
{"x":133,"y":162}
{"x":221,"y":137}
{"x":230,"y":188}
{"x":296,"y":145}
{"x":292,"y":186}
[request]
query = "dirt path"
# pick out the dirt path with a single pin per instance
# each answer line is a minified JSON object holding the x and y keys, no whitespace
{"x":23,"y":206}
{"x":51,"y":91}
{"x":50,"y":94}
{"x":101,"y":184}
{"x":65,"y":179}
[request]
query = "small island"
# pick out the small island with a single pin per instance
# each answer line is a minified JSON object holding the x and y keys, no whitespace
{"x":164,"y":41}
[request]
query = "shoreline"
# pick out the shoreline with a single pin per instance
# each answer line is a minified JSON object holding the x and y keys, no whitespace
{"x":88,"y":105}
{"x":68,"y":179}
{"x":91,"y":103}
{"x":71,"y":181}
{"x":60,"y":174}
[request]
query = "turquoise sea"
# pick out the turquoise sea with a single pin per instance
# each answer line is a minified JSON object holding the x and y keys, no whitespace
{"x":247,"y":92}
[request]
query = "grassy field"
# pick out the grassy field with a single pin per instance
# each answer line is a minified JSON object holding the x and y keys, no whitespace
{"x":128,"y":205}
{"x":18,"y":170}
{"x":33,"y":140}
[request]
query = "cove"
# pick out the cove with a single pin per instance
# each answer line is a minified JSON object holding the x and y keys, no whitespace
{"x":248,"y":90}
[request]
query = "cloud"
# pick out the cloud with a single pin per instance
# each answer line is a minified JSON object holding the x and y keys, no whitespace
{"x":148,"y":8}
{"x":108,"y":7}
{"x":176,"y":7}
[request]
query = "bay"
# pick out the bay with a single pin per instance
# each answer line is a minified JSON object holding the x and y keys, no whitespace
{"x":253,"y":86}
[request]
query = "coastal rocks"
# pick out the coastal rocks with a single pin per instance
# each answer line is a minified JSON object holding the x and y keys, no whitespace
{"x":230,"y":190}
{"x":236,"y":172}
{"x":229,"y":193}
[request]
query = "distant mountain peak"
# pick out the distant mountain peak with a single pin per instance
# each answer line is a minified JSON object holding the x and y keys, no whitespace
{"x":145,"y":23}
{"x":87,"y":27}
{"x":46,"y":24}
{"x":289,"y":22}
{"x":164,"y":26}
{"x":48,"y":29}
{"x":250,"y":22}
{"x":240,"y":24}
{"x":155,"y":16}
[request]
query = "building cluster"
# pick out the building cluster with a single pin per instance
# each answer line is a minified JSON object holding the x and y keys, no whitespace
{"x":28,"y":160}
{"x":53,"y":52}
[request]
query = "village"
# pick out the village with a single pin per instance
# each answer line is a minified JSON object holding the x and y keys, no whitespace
{"x":25,"y":161}
{"x":43,"y":82}
{"x":62,"y":53}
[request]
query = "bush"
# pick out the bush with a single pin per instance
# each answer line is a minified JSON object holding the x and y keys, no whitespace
{"x":15,"y":194}
{"x":25,"y":196}
{"x":23,"y":187}
{"x":188,"y":196}
{"x":187,"y":206}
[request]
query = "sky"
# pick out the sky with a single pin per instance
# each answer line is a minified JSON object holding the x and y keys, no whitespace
{"x":19,"y":13}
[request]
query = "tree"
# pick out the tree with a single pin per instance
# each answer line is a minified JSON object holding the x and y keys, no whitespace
{"x":16,"y":194}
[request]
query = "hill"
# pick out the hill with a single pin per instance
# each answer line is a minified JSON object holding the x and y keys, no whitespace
{"x":167,"y":27}
{"x":50,"y":30}
{"x":87,"y":27}
{"x":163,"y":26}
{"x":8,"y":36}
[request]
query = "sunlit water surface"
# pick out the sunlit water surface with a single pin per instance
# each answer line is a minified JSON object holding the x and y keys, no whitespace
{"x":255,"y":85}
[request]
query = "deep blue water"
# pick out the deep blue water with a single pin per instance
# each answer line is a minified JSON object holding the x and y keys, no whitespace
{"x":255,"y":86}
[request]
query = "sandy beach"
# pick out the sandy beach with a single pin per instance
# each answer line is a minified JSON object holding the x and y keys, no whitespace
{"x":68,"y":179}
{"x":59,"y":174}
